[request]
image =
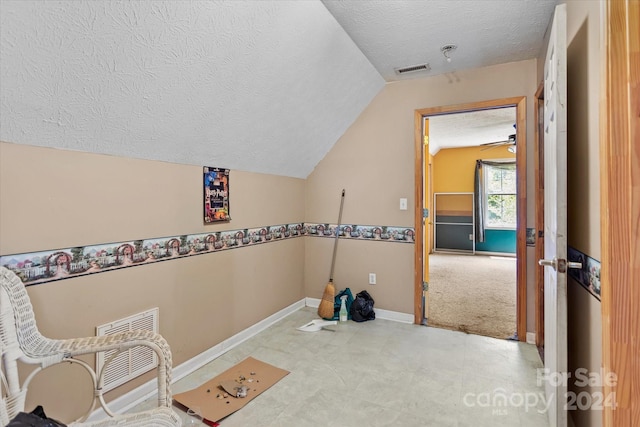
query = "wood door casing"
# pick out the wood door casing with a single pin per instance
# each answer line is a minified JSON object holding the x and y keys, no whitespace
{"x":620,"y":209}
{"x":521,"y":165}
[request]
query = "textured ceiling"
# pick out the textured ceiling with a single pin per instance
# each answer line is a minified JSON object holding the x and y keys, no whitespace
{"x":471,"y":128}
{"x":265,"y":86}
{"x":400,"y":33}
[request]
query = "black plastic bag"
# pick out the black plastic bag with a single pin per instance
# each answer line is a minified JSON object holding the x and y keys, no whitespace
{"x":36,"y":418}
{"x":362,"y":307}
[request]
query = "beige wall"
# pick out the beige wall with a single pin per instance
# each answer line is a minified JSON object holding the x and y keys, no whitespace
{"x":583,"y":183}
{"x":374,"y":162}
{"x":58,"y":199}
{"x":54,"y":198}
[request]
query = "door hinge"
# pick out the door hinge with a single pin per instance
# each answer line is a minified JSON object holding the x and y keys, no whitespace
{"x":425,"y":286}
{"x":425,"y":213}
{"x":540,"y":234}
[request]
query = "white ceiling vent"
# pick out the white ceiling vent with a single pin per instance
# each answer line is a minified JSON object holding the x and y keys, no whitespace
{"x":413,"y":69}
{"x":134,"y":362}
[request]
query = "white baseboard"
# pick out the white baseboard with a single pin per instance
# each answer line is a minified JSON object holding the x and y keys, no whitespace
{"x":380,"y":313}
{"x":312,"y":302}
{"x":396,"y":316}
{"x":207,"y":356}
{"x":138,"y":395}
{"x":399,"y":317}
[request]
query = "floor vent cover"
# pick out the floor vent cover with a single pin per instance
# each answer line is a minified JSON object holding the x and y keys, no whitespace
{"x":133,"y":362}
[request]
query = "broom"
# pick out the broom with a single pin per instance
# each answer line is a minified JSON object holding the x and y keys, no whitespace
{"x":326,"y":307}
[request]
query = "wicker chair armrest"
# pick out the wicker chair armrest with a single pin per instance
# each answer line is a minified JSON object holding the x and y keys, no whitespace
{"x":120,"y":341}
{"x":71,"y":348}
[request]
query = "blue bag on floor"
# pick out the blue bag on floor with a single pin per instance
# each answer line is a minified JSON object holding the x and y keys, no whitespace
{"x":337,"y":303}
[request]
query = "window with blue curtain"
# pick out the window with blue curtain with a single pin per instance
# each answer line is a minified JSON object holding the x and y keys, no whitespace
{"x":495,"y":196}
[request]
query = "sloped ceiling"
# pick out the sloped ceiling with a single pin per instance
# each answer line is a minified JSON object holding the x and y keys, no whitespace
{"x":265,"y":86}
{"x":402,"y":33}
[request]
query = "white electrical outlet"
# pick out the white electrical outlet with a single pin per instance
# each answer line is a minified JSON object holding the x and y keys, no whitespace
{"x":403,"y":204}
{"x":470,"y":236}
{"x":372,"y":278}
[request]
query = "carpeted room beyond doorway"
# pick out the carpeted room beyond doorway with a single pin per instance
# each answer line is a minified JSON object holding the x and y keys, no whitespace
{"x":473,"y":293}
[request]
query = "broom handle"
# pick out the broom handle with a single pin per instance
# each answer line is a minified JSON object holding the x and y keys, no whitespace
{"x":335,"y":243}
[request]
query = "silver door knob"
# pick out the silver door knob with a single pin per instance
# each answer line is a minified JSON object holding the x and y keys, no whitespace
{"x":548,"y":263}
{"x":559,"y":265}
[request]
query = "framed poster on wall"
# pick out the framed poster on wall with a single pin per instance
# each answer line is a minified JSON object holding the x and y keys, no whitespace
{"x":216,"y":194}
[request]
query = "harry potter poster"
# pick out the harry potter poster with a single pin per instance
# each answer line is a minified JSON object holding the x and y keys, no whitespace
{"x":216,"y":194}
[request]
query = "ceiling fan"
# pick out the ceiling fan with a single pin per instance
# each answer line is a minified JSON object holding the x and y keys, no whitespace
{"x":510,"y":141}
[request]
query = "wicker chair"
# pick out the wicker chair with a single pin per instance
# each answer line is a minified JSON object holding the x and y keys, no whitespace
{"x":21,"y":341}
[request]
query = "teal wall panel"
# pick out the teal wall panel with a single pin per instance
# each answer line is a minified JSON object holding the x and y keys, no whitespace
{"x":498,"y":241}
{"x":456,"y":237}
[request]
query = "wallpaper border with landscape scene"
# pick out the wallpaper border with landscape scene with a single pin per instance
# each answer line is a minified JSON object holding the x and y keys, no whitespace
{"x":56,"y":264}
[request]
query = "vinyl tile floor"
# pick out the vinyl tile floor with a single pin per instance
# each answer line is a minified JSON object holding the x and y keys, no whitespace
{"x":383,"y":373}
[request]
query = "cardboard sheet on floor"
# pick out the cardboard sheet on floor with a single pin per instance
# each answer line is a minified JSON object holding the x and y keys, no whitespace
{"x":258,"y":376}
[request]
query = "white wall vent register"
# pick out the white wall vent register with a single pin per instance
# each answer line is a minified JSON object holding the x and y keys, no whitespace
{"x":131,"y":363}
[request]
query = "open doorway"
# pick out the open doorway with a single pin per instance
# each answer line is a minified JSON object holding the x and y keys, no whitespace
{"x":424,"y":205}
{"x":473,"y":192}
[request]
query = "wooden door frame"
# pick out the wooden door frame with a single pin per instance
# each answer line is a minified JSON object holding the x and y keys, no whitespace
{"x":620,"y":207}
{"x":521,"y":183}
{"x":538,"y":167}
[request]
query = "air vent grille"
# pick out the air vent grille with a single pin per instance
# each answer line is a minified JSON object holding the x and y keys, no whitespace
{"x":131,"y":363}
{"x":413,"y":69}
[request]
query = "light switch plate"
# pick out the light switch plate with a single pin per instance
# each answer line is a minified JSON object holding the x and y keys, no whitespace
{"x":403,"y":204}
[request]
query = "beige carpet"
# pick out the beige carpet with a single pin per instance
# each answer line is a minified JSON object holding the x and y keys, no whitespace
{"x":473,"y":293}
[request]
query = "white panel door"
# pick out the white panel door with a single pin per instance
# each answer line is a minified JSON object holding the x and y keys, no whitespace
{"x":555,"y":218}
